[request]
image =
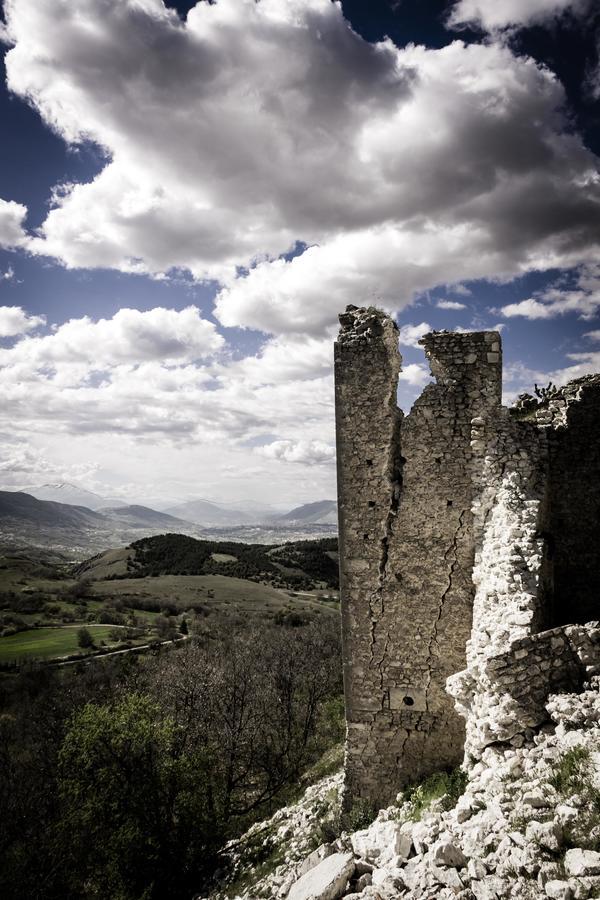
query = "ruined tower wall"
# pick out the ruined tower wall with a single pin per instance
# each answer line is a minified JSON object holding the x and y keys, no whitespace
{"x":536,"y":566}
{"x":405,"y":493}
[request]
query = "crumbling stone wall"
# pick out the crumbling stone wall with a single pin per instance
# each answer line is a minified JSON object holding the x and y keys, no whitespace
{"x":465,"y":530}
{"x":406,"y":545}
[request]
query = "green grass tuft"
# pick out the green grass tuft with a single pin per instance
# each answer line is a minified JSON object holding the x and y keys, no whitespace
{"x":446,"y":786}
{"x":569,"y":776}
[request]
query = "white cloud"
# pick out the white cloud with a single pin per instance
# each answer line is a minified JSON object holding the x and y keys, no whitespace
{"x":410,"y":335}
{"x":129,"y":338}
{"x":14,"y":321}
{"x":450,"y":304}
{"x":21,"y":464}
{"x":457,"y":162}
{"x":139,"y":374}
{"x":415,"y":374}
{"x":8,"y":275}
{"x":583,"y":299}
{"x":312,"y":453}
{"x":592,"y":335}
{"x":529,"y":309}
{"x":285,"y":359}
{"x":12,"y":216}
{"x":493,"y":15}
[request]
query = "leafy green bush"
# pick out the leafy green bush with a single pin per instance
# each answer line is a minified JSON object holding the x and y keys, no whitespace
{"x":85,"y":638}
{"x":574,"y":775}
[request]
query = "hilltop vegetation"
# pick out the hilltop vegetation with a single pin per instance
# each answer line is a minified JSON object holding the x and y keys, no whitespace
{"x":300,"y":565}
{"x":123,"y":776}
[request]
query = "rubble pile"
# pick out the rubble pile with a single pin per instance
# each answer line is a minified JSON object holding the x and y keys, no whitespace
{"x":526,"y":826}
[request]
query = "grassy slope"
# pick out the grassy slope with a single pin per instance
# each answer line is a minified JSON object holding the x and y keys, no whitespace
{"x":45,"y":643}
{"x":211,"y":602}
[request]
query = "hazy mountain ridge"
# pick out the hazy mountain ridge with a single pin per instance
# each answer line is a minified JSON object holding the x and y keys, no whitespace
{"x":322,"y":512}
{"x":205,"y":512}
{"x":73,"y":495}
{"x":80,"y":529}
{"x":18,"y":506}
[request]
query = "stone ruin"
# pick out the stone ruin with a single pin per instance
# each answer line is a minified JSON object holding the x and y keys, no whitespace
{"x":469,"y":553}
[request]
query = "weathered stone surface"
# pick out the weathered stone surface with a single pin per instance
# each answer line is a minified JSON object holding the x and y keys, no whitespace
{"x":327,"y":881}
{"x":453,"y":516}
{"x":314,"y":858}
{"x":582,"y":862}
{"x":405,"y":499}
{"x":559,"y":890}
{"x":446,"y":853}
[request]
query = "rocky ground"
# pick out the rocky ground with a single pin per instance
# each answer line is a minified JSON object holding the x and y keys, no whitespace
{"x":526,"y":826}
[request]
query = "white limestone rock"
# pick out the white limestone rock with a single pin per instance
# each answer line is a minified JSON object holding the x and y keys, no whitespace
{"x":559,"y":890}
{"x":446,"y":853}
{"x":327,"y":881}
{"x":582,"y":862}
{"x":381,"y":840}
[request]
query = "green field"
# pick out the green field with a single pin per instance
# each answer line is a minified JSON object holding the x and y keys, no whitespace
{"x":43,"y":600}
{"x":45,"y":643}
{"x":215,"y":592}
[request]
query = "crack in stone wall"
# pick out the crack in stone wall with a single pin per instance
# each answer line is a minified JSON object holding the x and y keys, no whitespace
{"x":452,"y":551}
{"x":406,"y":546}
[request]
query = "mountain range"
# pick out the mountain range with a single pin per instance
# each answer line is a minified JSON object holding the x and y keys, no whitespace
{"x":205,"y":513}
{"x":75,"y":527}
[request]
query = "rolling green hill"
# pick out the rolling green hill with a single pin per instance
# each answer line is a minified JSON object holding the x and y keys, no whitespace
{"x":300,"y":565}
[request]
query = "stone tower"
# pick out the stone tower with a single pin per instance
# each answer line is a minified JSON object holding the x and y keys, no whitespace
{"x":406,"y":545}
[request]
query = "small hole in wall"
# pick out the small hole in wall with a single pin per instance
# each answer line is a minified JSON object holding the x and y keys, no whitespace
{"x":438,"y":459}
{"x":371,"y":504}
{"x":448,"y":502}
{"x":398,"y":576}
{"x":369,"y":462}
{"x":408,"y":701}
{"x":365,"y":537}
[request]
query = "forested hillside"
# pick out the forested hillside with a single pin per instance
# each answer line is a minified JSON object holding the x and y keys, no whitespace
{"x":301,"y":564}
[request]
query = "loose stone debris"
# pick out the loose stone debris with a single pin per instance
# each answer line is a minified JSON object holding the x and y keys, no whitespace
{"x":525,"y":827}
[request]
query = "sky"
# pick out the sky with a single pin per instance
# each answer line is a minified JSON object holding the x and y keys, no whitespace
{"x":191,"y":192}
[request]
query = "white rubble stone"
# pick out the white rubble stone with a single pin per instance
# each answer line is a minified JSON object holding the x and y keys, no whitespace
{"x":546,"y":834}
{"x":382,"y":839}
{"x":327,"y":881}
{"x":535,"y":799}
{"x":446,"y":853}
{"x":314,"y":858}
{"x":582,"y":862}
{"x":559,"y":890}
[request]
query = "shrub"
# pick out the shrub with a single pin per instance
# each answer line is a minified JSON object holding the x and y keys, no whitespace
{"x":360,"y":815}
{"x":84,"y":638}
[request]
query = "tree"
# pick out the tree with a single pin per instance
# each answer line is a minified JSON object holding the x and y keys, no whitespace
{"x":136,"y":817}
{"x":85,"y":638}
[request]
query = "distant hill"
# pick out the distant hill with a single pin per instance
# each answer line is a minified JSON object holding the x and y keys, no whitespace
{"x":77,"y":528}
{"x":64,"y":492}
{"x":298,"y":564}
{"x":20,"y":507}
{"x":206,"y":513}
{"x":323,"y":512}
{"x":141,"y":516}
